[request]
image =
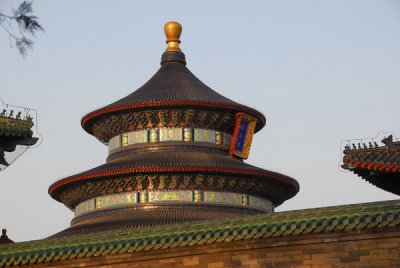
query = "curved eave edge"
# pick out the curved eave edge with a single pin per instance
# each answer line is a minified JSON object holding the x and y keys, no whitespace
{"x":350,"y":165}
{"x":292,"y":183}
{"x":359,"y":172}
{"x":85,"y":122}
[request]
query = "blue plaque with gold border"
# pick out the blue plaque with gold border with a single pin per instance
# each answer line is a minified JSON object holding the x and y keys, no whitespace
{"x":243,"y":135}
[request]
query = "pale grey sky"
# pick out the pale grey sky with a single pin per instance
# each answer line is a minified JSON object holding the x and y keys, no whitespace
{"x":320,"y":71}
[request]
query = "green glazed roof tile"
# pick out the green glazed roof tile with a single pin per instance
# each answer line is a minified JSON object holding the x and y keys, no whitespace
{"x":291,"y":223}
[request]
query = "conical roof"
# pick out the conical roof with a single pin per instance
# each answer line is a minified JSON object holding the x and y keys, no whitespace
{"x":172,"y":86}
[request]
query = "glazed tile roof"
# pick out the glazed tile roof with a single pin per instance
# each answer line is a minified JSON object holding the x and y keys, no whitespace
{"x":11,"y":128}
{"x":385,"y":158}
{"x":379,"y":166}
{"x":179,"y":161}
{"x":283,"y":224}
{"x":172,"y":86}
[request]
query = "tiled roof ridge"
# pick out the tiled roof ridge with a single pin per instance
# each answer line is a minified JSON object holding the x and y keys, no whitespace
{"x":394,"y":145}
{"x":385,"y":158}
{"x":320,"y":220}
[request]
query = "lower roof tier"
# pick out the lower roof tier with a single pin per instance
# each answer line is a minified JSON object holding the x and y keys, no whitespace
{"x":150,"y":215}
{"x":167,"y":170}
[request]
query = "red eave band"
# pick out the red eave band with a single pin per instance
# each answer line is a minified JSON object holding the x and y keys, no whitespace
{"x":374,"y":167}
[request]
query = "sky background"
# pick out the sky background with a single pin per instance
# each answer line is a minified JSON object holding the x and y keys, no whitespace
{"x":320,"y":71}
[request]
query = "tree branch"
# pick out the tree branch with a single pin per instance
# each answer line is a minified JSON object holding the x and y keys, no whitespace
{"x":27,"y":24}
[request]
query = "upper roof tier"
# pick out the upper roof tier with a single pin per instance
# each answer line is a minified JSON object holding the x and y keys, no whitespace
{"x":173,"y":86}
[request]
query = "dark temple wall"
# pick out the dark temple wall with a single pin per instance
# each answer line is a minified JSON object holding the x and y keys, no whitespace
{"x":374,"y":248}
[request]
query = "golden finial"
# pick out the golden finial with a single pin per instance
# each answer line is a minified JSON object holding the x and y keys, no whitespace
{"x":173,"y":32}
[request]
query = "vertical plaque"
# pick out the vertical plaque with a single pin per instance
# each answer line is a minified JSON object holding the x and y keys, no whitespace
{"x":243,"y":135}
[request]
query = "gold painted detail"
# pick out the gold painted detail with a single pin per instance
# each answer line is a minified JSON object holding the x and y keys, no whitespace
{"x":221,"y":197}
{"x":188,"y":134}
{"x":245,"y":199}
{"x":218,"y":137}
{"x":197,"y":196}
{"x":124,"y":139}
{"x":165,"y":196}
{"x":135,"y":137}
{"x":153,"y":135}
{"x":173,"y":32}
{"x":171,"y":134}
{"x":143,"y":197}
{"x":204,"y":135}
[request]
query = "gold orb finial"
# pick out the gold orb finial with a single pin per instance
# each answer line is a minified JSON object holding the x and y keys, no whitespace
{"x":173,"y":32}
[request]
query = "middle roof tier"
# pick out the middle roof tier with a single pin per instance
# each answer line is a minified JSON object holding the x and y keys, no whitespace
{"x":123,"y":174}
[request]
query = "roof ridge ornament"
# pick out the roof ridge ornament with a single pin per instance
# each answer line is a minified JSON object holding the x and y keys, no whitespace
{"x":173,"y":32}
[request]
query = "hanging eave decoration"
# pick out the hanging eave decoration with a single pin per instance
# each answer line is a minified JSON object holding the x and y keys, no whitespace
{"x":243,"y":135}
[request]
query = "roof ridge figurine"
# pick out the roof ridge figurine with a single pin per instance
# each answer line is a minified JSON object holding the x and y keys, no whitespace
{"x":4,"y":238}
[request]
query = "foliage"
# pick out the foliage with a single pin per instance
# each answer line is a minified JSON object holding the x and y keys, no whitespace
{"x":27,"y":24}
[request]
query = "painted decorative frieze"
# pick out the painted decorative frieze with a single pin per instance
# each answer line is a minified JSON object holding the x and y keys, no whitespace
{"x":106,"y":202}
{"x":204,"y":135}
{"x":164,"y":134}
{"x":114,"y":143}
{"x":221,"y":197}
{"x":163,"y":196}
{"x":115,"y":200}
{"x":262,"y":203}
{"x":171,"y":134}
{"x":137,"y":137}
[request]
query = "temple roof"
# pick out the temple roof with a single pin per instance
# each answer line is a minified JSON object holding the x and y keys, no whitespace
{"x":340,"y":219}
{"x":186,"y":148}
{"x":174,"y":85}
{"x":15,"y":128}
{"x":181,"y":162}
{"x":377,"y":165}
